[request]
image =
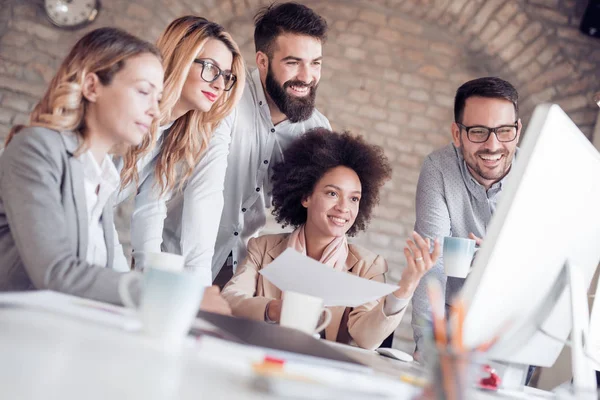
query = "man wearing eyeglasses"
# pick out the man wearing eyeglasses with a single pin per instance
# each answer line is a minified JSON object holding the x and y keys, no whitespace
{"x":460,"y":184}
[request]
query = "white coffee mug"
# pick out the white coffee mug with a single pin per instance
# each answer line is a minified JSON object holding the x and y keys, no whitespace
{"x":458,"y":255}
{"x":302,"y":312}
{"x":170,"y":297}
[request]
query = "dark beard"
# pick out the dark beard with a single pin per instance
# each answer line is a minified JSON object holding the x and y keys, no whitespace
{"x":472,"y":164}
{"x":296,"y":109}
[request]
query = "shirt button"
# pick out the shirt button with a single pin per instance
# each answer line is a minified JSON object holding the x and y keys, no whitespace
{"x":266,"y":162}
{"x":260,"y":103}
{"x":243,"y":210}
{"x":235,"y":233}
{"x":273,"y":130}
{"x":235,"y":263}
{"x":258,"y":189}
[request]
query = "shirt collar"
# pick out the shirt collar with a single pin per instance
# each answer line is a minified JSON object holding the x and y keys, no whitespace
{"x":164,"y":127}
{"x":105,"y":174}
{"x":161,"y":132}
{"x":464,"y":169}
{"x":261,"y":98}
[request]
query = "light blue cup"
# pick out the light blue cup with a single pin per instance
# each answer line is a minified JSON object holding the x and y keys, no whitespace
{"x":170,"y":298}
{"x":458,"y":255}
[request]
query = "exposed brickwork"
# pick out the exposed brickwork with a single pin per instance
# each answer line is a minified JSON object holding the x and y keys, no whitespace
{"x":390,"y":71}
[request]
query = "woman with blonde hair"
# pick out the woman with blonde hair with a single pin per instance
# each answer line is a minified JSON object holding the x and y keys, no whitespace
{"x":56,"y":179}
{"x":182,"y":166}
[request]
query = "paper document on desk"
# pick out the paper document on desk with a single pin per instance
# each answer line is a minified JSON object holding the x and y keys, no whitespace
{"x":298,"y":273}
{"x":73,"y":306}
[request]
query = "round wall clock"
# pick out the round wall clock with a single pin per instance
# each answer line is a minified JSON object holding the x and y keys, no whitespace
{"x":71,"y":14}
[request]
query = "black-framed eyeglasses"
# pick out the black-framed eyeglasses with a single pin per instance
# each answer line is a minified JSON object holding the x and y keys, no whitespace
{"x":481,"y":134}
{"x":211,"y":72}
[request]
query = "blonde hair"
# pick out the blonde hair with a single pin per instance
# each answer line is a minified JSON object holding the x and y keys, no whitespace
{"x":103,"y":52}
{"x":182,"y":41}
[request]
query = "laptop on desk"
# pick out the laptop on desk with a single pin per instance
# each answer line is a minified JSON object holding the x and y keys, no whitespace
{"x":287,"y":343}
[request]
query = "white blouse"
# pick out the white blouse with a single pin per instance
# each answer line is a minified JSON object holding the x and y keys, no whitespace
{"x":100,"y":182}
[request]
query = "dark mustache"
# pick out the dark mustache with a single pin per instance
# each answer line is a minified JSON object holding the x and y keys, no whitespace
{"x":298,"y":84}
{"x":489,"y":153}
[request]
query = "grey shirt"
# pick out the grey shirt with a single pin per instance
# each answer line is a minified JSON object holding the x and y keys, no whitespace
{"x":450,"y":202}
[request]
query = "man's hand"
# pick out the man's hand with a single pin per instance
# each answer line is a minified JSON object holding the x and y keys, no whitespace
{"x":477,"y":240}
{"x":417,"y":356}
{"x":212,"y":301}
{"x":274,"y":310}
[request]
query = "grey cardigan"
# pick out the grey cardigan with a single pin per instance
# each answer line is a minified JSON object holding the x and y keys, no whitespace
{"x":43,"y":219}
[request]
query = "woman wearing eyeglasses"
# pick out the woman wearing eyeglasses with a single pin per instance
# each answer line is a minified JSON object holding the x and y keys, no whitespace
{"x":182,"y":166}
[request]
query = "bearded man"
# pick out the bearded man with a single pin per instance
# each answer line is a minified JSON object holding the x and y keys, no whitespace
{"x":460,"y":184}
{"x":277,"y":106}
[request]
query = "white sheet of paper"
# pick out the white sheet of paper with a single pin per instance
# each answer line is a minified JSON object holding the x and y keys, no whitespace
{"x":298,"y":273}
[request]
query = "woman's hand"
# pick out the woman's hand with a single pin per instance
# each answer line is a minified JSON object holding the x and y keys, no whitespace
{"x":212,"y":301}
{"x":418,"y":261}
{"x":274,"y":310}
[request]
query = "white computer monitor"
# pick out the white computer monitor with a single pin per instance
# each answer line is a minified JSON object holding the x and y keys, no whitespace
{"x":549,"y":214}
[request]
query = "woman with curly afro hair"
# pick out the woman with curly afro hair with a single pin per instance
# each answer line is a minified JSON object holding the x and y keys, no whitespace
{"x":326,"y":189}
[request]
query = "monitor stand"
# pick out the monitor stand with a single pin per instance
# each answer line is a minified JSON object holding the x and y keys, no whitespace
{"x":513,"y":375}
{"x":584,"y":376}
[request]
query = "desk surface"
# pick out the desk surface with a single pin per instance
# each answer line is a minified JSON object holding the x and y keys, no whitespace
{"x":53,"y":356}
{"x":391,"y":367}
{"x":50,"y":357}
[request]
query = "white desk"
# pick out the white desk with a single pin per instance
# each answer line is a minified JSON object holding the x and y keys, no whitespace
{"x":45,"y":356}
{"x":392,"y":367}
{"x":52,"y":356}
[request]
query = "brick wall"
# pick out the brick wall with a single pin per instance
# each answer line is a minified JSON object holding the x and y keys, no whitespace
{"x":390,"y":71}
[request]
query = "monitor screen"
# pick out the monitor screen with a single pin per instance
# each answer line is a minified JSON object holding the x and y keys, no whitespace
{"x":549,"y":214}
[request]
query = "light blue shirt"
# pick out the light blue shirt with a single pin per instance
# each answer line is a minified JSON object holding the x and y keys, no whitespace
{"x":450,"y":202}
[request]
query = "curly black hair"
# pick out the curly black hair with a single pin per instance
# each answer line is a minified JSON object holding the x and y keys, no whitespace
{"x":312,"y":155}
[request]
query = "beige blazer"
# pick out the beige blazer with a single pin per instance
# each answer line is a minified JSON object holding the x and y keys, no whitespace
{"x":248,"y":292}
